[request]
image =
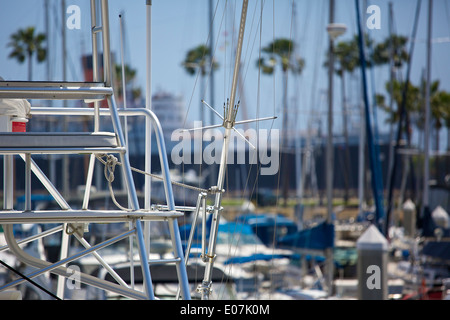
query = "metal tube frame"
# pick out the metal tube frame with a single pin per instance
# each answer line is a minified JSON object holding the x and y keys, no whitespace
{"x":181,"y":267}
{"x":126,"y":112}
{"x":200,"y":200}
{"x":59,"y":270}
{"x":36,"y":237}
{"x":95,"y":70}
{"x":72,"y":93}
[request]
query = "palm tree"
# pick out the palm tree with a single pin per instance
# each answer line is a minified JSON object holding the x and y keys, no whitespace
{"x":199,"y":59}
{"x":280,"y":51}
{"x":347,"y":56}
{"x":412,"y":103}
{"x":130,"y":77}
{"x":381,"y":53}
{"x":446,"y":114}
{"x":25,"y":43}
{"x":439,"y":104}
{"x":392,"y":51}
{"x":439,"y":107}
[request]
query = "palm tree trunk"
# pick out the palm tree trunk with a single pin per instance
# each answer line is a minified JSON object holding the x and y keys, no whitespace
{"x":438,"y":131}
{"x":345,"y":132}
{"x":448,"y":139}
{"x":30,"y":67}
{"x":447,"y":163}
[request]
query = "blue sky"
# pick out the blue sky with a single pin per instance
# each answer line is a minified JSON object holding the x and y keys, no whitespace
{"x":179,"y":25}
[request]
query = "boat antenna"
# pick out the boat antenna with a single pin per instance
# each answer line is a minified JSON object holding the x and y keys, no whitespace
{"x":224,"y":123}
{"x":230,"y":110}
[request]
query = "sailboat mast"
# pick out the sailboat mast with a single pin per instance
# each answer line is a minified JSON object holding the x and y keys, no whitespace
{"x":211,"y":51}
{"x":205,"y":287}
{"x":330,"y":153}
{"x":211,"y":75}
{"x":426,"y":175}
{"x":374,"y":161}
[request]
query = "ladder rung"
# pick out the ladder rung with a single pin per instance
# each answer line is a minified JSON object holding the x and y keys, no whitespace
{"x":97,"y":29}
{"x":75,"y":150}
{"x":59,"y":143}
{"x":164,"y":261}
{"x":54,"y":90}
{"x":56,"y":140}
{"x":83,"y":216}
